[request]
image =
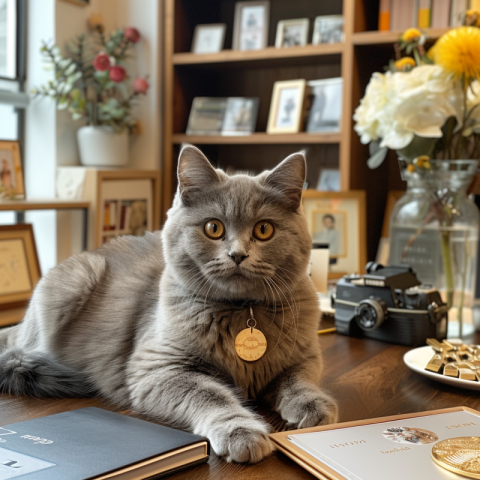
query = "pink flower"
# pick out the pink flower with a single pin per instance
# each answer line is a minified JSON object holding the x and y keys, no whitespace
{"x":140,"y":85}
{"x":101,"y":62}
{"x":132,"y":34}
{"x":117,"y":74}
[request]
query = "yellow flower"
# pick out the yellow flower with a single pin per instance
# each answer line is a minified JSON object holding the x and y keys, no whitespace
{"x":405,"y":64}
{"x":472,"y":17}
{"x":95,"y":21}
{"x":458,"y":52}
{"x":411,"y":34}
{"x":411,"y":168}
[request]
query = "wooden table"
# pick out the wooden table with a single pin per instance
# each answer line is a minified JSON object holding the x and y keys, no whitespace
{"x":368,"y":378}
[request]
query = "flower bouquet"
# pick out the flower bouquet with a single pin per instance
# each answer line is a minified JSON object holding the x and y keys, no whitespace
{"x":426,"y":108}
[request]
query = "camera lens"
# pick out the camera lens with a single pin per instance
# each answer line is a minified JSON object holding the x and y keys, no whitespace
{"x":369,"y":314}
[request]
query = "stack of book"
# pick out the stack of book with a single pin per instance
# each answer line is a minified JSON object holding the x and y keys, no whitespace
{"x":403,"y":14}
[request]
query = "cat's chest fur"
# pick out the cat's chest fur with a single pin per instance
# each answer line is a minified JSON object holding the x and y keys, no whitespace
{"x":216,"y":328}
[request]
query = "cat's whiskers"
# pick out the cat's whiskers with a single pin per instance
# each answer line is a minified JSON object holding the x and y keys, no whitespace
{"x":272,"y":282}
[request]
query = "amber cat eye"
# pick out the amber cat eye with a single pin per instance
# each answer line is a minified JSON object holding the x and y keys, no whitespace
{"x":263,"y":230}
{"x":214,"y":229}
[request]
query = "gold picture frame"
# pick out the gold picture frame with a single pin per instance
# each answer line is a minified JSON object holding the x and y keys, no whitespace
{"x":339,"y":219}
{"x":287,"y":107}
{"x":19,"y":265}
{"x":11,"y":173}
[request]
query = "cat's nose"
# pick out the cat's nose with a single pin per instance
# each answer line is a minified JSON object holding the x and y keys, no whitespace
{"x":238,"y":258}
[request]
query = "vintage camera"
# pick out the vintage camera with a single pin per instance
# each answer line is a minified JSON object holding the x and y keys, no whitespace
{"x":391,"y":305}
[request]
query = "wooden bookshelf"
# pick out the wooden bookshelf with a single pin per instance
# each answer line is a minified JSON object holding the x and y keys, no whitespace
{"x":42,"y":204}
{"x":252,"y":74}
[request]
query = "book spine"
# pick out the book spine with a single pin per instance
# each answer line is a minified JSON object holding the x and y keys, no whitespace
{"x":440,"y":13}
{"x":424,"y":13}
{"x":404,"y":13}
{"x":384,"y":15}
{"x":459,"y":7}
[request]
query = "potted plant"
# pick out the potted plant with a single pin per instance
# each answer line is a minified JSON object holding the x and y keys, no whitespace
{"x":426,"y":108}
{"x":92,"y":83}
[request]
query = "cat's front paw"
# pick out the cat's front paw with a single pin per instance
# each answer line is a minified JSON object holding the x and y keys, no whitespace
{"x":309,"y":409}
{"x":242,"y":440}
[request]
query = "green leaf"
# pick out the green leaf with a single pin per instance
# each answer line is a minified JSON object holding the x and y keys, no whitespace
{"x":418,"y":146}
{"x":377,"y":158}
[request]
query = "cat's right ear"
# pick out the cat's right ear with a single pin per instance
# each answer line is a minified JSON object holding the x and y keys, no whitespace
{"x":195,"y":174}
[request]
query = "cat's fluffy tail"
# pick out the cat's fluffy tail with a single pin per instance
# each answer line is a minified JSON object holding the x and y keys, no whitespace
{"x":38,"y":375}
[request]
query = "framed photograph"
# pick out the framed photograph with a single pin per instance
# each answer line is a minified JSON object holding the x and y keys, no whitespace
{"x":250,"y":29}
{"x":287,"y":107}
{"x":240,"y":116}
{"x":206,"y":116}
{"x":329,"y":180}
{"x":292,"y":33}
{"x":126,"y":208}
{"x":328,"y":29}
{"x":208,"y":38}
{"x":19,"y":266}
{"x":11,"y":175}
{"x":325,"y":105}
{"x":338,"y":219}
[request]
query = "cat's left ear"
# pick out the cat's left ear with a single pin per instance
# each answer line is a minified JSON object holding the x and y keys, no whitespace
{"x":288,"y":178}
{"x":195,"y":174}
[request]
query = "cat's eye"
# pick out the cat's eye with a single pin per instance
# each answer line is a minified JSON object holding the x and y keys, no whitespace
{"x":214,"y":229}
{"x":263,"y":230}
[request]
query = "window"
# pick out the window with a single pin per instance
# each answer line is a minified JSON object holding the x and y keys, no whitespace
{"x":12,"y":68}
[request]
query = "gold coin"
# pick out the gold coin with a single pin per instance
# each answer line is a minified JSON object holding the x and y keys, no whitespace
{"x":250,"y":344}
{"x":459,"y":455}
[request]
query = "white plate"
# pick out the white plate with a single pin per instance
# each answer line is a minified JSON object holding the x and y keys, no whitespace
{"x":417,"y":360}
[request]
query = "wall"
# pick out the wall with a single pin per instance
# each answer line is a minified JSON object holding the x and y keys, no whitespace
{"x":51,"y":135}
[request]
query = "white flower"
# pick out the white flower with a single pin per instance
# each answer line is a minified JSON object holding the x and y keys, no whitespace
{"x":473,"y":106}
{"x":412,"y":103}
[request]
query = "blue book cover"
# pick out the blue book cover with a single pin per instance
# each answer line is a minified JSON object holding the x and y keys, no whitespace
{"x":92,"y":443}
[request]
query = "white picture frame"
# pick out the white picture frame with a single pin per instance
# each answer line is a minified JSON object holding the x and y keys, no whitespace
{"x":287,"y":107}
{"x":328,"y":29}
{"x":250,"y":29}
{"x":240,"y":116}
{"x":325,"y":111}
{"x":208,"y":38}
{"x":292,"y":33}
{"x":206,"y":116}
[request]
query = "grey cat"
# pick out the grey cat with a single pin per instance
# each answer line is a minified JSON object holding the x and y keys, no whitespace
{"x":150,"y":323}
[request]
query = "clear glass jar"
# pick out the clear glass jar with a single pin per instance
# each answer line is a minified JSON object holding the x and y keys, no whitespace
{"x":434,"y":229}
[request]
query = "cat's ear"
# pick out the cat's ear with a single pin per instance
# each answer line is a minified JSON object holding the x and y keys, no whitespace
{"x":195,"y":173}
{"x":288,"y":178}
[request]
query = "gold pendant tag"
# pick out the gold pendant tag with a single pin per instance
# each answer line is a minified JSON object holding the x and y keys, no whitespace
{"x":250,"y":343}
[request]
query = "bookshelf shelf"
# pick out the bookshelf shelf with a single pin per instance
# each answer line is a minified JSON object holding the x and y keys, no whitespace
{"x":270,"y":55}
{"x":258,"y":138}
{"x":390,"y":37}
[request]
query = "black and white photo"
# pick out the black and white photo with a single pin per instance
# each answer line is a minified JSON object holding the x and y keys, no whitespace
{"x":208,"y":38}
{"x":292,"y":33}
{"x":328,"y":29}
{"x":251,"y":25}
{"x":325,"y":111}
{"x":240,"y":116}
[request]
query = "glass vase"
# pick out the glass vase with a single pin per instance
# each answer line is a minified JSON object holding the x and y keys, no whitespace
{"x":434,"y":229}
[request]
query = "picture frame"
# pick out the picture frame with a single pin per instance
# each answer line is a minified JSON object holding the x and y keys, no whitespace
{"x":292,"y":33}
{"x":240,"y":116}
{"x":287,"y":107}
{"x":206,"y":116}
{"x":11,"y":172}
{"x":19,"y":265}
{"x":329,"y":180}
{"x":339,"y":220}
{"x":251,"y":23}
{"x":325,"y":105}
{"x":208,"y":38}
{"x":328,"y":29}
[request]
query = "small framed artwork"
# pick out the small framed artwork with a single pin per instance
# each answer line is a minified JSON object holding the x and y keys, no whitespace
{"x":11,"y":175}
{"x":292,"y":33}
{"x":250,"y":29}
{"x":206,"y":116}
{"x":19,"y":266}
{"x":208,"y":38}
{"x":287,"y":107}
{"x":325,"y":112}
{"x":328,"y":29}
{"x":329,"y":180}
{"x":240,"y":116}
{"x":338,"y":219}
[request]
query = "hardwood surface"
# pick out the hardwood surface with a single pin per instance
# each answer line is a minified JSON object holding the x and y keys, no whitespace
{"x":42,"y":204}
{"x":258,"y":138}
{"x":368,"y":378}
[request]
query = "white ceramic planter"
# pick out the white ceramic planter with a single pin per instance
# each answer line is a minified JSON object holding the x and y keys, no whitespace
{"x":102,"y":147}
